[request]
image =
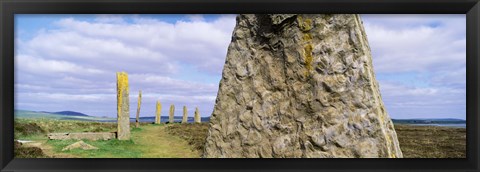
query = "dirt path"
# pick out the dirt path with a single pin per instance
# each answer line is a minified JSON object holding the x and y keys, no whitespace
{"x":155,"y":142}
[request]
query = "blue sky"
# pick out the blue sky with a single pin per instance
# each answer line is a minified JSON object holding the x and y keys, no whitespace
{"x":68,"y":62}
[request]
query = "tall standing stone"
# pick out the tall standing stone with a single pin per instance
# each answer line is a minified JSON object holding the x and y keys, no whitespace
{"x":185,"y":115}
{"x":172,"y":114}
{"x":197,"y":118}
{"x":158,"y":112}
{"x":300,"y":86}
{"x":123,"y":109}
{"x":139,"y":103}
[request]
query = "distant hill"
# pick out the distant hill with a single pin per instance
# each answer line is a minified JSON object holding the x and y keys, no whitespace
{"x":69,"y":113}
{"x":64,"y":115}
{"x":429,"y":121}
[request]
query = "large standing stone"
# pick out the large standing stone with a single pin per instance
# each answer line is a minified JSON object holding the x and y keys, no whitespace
{"x":172,"y":114}
{"x":123,"y":110}
{"x":197,"y":118}
{"x":139,"y":103}
{"x":158,"y":112}
{"x":185,"y":115}
{"x":300,"y":86}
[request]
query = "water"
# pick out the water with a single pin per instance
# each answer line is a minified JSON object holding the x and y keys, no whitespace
{"x":443,"y":125}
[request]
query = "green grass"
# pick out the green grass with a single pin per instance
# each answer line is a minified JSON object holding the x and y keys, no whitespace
{"x":107,"y":148}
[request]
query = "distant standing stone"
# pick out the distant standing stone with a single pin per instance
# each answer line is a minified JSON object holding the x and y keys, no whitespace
{"x":197,"y":116}
{"x":123,"y":109}
{"x":158,"y":112}
{"x":137,"y":121}
{"x":172,"y":113}
{"x":185,"y":115}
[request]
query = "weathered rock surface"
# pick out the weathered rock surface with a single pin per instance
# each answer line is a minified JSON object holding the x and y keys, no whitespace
{"x":79,"y":145}
{"x":79,"y":136}
{"x":300,"y":86}
{"x":123,"y":107}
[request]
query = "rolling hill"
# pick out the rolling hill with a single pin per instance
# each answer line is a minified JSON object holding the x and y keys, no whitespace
{"x":64,"y":115}
{"x":69,"y":113}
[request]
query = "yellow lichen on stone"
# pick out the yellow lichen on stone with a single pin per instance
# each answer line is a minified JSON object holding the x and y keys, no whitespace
{"x":307,"y":53}
{"x":158,"y":112}
{"x":304,"y":24}
{"x":123,"y":109}
{"x":122,"y":87}
{"x":307,"y":37}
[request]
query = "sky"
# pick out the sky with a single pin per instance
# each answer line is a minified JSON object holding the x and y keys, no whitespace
{"x":68,"y":62}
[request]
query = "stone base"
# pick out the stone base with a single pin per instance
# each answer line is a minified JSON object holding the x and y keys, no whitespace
{"x":79,"y":136}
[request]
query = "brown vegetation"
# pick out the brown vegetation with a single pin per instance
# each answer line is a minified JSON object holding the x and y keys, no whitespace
{"x":25,"y":129}
{"x":27,"y":152}
{"x":431,"y":141}
{"x":194,"y":134}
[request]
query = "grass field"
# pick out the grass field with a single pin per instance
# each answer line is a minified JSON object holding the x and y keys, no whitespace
{"x":186,"y":140}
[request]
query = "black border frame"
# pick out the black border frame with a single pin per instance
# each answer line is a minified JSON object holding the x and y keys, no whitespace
{"x":10,"y":7}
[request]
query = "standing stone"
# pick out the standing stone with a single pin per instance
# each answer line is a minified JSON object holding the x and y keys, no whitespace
{"x":300,"y":86}
{"x":197,"y":118}
{"x":123,"y":109}
{"x":139,"y":103}
{"x":171,"y":115}
{"x":185,"y":115}
{"x":158,"y":112}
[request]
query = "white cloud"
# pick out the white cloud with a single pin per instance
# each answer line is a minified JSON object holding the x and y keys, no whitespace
{"x":60,"y":97}
{"x":73,"y":65}
{"x":39,"y":65}
{"x":417,"y":46}
{"x":403,"y":101}
{"x":420,"y":45}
